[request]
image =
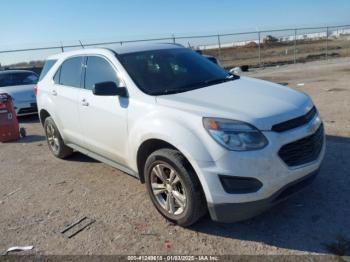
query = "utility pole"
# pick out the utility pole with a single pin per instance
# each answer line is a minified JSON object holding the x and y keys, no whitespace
{"x":295,"y":46}
{"x":327,"y":32}
{"x":259,"y":43}
{"x":219,"y":42}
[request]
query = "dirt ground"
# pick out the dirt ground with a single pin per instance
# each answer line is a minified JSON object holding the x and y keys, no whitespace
{"x":40,"y":195}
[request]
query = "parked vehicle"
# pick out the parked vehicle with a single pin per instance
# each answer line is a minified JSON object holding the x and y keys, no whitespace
{"x":199,"y":137}
{"x":212,"y":59}
{"x":19,"y":84}
{"x":209,"y":57}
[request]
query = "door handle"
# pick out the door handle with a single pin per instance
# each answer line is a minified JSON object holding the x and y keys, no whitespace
{"x":54,"y":92}
{"x":84,"y":102}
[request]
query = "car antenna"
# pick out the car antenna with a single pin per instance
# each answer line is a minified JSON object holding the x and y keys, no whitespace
{"x":81,"y":44}
{"x":62,"y":48}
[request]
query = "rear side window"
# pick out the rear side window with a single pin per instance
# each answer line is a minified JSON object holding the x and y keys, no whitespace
{"x":46,"y":68}
{"x":18,"y":78}
{"x":99,"y":70}
{"x":71,"y":72}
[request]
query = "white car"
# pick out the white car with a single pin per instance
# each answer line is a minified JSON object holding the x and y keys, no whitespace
{"x":198,"y":137}
{"x":19,"y":84}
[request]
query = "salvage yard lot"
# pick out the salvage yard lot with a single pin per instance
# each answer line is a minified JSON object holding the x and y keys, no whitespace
{"x":40,"y":195}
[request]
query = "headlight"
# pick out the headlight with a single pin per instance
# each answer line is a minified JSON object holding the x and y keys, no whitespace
{"x":234,"y":135}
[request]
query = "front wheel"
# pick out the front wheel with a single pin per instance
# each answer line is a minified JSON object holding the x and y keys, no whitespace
{"x":173,"y":187}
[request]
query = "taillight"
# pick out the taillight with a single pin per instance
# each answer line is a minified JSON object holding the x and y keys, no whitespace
{"x":36,"y":90}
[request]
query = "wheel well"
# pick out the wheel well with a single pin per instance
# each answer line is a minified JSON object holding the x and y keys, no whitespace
{"x":43,"y":115}
{"x":151,"y":145}
{"x":147,"y":148}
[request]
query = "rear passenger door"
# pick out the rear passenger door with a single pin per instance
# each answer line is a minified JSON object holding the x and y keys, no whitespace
{"x":65,"y":94}
{"x":103,"y":118}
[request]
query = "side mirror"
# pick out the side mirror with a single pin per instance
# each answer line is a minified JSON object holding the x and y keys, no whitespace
{"x":109,"y":89}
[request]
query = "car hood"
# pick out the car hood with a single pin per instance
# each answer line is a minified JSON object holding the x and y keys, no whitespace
{"x":257,"y":102}
{"x":20,"y":93}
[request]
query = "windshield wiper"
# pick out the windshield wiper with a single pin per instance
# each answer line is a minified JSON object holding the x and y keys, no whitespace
{"x":230,"y":77}
{"x":190,"y":87}
{"x":167,"y":92}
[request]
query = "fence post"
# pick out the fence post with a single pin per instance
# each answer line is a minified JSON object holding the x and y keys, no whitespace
{"x":219,"y":42}
{"x":327,"y":32}
{"x":259,"y":45}
{"x":295,"y":46}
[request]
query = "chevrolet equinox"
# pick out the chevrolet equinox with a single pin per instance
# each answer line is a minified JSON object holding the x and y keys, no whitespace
{"x":200,"y":138}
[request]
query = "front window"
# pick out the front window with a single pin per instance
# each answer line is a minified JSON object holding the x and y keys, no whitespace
{"x":18,"y":78}
{"x":169,"y":71}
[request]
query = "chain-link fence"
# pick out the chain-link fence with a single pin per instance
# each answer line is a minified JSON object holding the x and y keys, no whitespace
{"x":254,"y":49}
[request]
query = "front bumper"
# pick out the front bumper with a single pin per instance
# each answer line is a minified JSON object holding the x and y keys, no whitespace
{"x":234,"y":212}
{"x":264,"y":165}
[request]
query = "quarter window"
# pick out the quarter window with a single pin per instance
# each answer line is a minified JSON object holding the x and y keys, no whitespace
{"x":99,"y":70}
{"x":70,"y":74}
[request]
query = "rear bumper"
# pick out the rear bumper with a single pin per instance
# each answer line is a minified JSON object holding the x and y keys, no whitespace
{"x":234,"y":212}
{"x":26,"y":108}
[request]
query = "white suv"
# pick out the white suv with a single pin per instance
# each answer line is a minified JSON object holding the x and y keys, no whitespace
{"x":199,"y":137}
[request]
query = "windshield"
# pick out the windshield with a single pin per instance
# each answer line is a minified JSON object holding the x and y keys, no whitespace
{"x":18,"y":78}
{"x":169,"y":71}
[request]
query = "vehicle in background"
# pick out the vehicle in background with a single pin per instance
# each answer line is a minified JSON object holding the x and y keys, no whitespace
{"x":209,"y":57}
{"x":199,"y":137}
{"x":19,"y":84}
{"x":212,"y":59}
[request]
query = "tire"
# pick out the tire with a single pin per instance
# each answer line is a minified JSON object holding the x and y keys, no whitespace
{"x":22,"y":132}
{"x":55,"y":141}
{"x":174,"y":188}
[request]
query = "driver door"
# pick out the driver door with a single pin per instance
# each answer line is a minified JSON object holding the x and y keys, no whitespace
{"x":103,"y":118}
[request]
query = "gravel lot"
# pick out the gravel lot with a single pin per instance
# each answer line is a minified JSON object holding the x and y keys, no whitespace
{"x":40,"y":195}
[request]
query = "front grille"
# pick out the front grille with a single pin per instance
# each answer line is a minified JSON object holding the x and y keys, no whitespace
{"x":304,"y":150}
{"x":295,"y":122}
{"x":28,"y":110}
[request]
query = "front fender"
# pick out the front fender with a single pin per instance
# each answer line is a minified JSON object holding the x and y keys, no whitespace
{"x":190,"y":139}
{"x":185,"y":132}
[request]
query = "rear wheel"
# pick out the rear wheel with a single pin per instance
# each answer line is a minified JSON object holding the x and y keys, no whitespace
{"x":55,"y":141}
{"x":173,"y":187}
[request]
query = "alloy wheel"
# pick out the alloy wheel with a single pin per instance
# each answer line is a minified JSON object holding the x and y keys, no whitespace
{"x":52,"y":138}
{"x":168,"y":189}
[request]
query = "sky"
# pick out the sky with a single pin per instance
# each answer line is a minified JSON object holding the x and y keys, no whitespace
{"x":28,"y":23}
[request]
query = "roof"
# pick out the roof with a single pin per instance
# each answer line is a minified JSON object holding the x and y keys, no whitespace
{"x":145,"y":47}
{"x":128,"y":48}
